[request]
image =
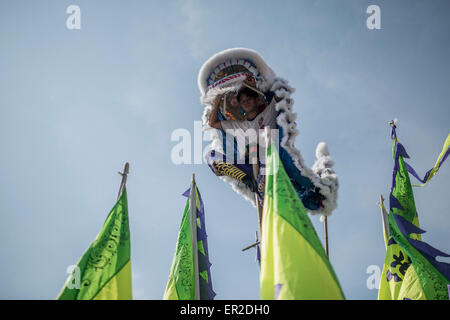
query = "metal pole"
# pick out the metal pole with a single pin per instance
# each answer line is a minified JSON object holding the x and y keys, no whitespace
{"x":253,"y":158}
{"x":252,"y":245}
{"x":193,"y":223}
{"x":326,"y":237}
{"x":385,"y":219}
{"x":258,"y":205}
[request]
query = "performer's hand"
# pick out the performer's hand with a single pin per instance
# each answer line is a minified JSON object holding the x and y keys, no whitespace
{"x":214,"y":121}
{"x":218,"y":99}
{"x":250,"y":182}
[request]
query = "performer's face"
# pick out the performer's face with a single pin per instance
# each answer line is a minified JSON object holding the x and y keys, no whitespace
{"x":247,"y":103}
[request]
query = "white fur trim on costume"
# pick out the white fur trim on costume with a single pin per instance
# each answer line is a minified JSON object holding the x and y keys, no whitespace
{"x":322,"y":150}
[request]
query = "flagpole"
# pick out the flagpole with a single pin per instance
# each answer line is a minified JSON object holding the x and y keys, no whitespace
{"x":124,"y":174}
{"x":253,"y":154}
{"x":193,"y":224}
{"x":258,"y":205}
{"x":326,"y":236}
{"x":384,"y":217}
{"x":253,"y":158}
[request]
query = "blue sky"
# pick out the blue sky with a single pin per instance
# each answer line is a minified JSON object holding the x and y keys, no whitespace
{"x":77,"y":104}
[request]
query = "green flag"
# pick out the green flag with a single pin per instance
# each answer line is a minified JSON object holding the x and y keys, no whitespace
{"x":411,"y":271}
{"x":397,"y":261}
{"x":190,"y":276}
{"x":104,"y":271}
{"x":294,"y":265}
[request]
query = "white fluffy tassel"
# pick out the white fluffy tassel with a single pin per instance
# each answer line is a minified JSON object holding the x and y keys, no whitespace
{"x":322,"y":150}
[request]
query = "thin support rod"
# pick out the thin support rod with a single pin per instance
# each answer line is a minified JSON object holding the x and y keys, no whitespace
{"x":251,"y":246}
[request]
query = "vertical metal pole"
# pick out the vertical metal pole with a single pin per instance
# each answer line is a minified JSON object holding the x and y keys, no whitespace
{"x":385,"y":219}
{"x":193,"y":223}
{"x":258,"y":205}
{"x":326,"y":237}
{"x":255,"y":173}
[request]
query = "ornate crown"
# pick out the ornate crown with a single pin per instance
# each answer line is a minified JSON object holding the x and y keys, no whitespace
{"x":231,"y":66}
{"x":231,"y":71}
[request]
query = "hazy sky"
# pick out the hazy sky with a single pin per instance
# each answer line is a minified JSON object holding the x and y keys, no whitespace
{"x":77,"y":104}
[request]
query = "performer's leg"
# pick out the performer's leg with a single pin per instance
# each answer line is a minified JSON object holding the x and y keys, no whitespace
{"x":261,"y":185}
{"x":239,"y":172}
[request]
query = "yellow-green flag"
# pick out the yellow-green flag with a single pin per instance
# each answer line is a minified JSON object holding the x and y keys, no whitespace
{"x":190,"y":274}
{"x":294,"y":265}
{"x":411,"y":270}
{"x":432,"y":172}
{"x":104,"y":271}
